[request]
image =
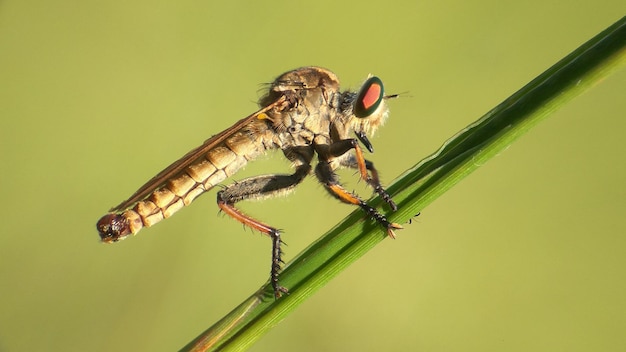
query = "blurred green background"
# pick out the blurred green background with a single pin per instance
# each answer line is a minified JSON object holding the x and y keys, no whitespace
{"x":527,"y":254}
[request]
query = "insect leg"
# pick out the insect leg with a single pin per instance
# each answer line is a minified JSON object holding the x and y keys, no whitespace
{"x":330,"y":181}
{"x":373,"y":181}
{"x":341,"y":147}
{"x":357,"y":161}
{"x":256,"y":188}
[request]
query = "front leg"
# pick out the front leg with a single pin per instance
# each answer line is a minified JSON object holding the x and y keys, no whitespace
{"x":330,"y":181}
{"x":357,"y":161}
{"x":373,"y":181}
{"x":261,"y":187}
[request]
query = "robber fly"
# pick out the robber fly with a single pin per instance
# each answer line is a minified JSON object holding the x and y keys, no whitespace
{"x":304,"y":113}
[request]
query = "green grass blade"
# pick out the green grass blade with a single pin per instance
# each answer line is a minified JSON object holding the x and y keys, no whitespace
{"x":419,"y":186}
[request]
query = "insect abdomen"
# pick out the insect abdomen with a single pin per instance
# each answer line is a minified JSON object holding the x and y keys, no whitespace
{"x":213,"y":167}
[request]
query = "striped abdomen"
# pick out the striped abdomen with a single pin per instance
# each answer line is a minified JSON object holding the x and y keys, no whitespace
{"x":170,"y":195}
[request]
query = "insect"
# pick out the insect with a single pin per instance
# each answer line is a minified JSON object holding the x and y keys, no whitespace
{"x":304,"y":114}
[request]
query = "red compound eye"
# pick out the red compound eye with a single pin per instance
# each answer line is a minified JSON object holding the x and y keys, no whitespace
{"x":369,"y":97}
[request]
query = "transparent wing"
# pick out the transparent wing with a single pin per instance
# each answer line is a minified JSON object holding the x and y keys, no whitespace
{"x":191,"y":156}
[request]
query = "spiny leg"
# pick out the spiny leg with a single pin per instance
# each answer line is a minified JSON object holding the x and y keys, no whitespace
{"x":357,"y":161}
{"x":330,"y":180}
{"x":260,"y":187}
{"x":373,"y":181}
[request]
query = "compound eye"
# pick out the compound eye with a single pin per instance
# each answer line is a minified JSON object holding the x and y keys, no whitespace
{"x":369,"y":97}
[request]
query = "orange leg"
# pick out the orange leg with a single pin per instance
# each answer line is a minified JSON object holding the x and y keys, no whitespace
{"x":330,"y":180}
{"x":273,"y":233}
{"x":373,"y":181}
{"x":358,"y":161}
{"x":259,"y":187}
